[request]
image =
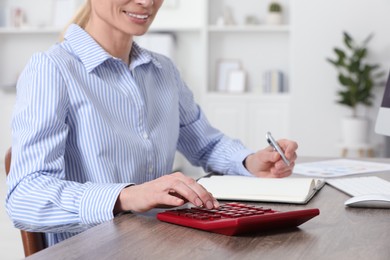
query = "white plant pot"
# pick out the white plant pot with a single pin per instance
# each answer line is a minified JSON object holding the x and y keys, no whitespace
{"x":355,"y":130}
{"x":274,"y":18}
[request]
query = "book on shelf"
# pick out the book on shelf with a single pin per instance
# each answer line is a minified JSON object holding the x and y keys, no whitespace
{"x":293,"y":190}
{"x":274,"y":82}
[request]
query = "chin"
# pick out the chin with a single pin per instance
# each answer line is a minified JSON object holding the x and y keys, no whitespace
{"x":136,"y":31}
{"x":139,"y":33}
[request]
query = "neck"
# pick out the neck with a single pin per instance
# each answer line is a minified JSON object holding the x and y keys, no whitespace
{"x":115,"y":42}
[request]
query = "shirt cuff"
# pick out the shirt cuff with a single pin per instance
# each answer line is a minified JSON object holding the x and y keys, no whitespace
{"x":238,"y":167}
{"x":98,"y":201}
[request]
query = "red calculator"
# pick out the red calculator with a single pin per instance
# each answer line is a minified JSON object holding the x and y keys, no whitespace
{"x":236,"y":218}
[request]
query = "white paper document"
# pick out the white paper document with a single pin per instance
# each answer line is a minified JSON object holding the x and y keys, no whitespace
{"x":339,"y":167}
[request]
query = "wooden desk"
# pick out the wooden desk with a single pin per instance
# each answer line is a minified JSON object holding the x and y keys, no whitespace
{"x":337,"y":233}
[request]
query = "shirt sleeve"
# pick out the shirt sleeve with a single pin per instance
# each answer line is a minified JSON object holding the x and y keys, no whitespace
{"x":40,"y":198}
{"x":204,"y":145}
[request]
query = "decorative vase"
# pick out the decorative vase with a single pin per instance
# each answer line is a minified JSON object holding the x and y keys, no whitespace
{"x":355,"y":130}
{"x":274,"y":18}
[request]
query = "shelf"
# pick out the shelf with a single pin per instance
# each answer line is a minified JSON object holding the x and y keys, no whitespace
{"x":30,"y":30}
{"x":157,"y":29}
{"x":249,"y":95}
{"x":249,"y":28}
{"x":52,"y":30}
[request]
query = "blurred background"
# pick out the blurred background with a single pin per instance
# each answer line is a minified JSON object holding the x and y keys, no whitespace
{"x":254,"y":66}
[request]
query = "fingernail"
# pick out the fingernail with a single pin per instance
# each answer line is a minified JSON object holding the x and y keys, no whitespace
{"x":216,"y":204}
{"x":198,"y":202}
{"x":209,"y":205}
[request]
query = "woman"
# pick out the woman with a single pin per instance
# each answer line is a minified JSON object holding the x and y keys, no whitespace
{"x":97,"y":123}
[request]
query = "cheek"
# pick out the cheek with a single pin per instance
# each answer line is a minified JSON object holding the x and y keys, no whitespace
{"x":105,"y":7}
{"x":158,"y":3}
{"x":99,"y":5}
{"x":105,"y":11}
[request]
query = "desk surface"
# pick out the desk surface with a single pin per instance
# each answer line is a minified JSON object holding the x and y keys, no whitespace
{"x":337,"y":233}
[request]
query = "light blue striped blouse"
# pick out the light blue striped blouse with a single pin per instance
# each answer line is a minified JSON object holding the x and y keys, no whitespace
{"x":86,"y":125}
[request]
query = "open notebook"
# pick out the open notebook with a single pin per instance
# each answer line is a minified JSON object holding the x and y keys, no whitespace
{"x":285,"y":190}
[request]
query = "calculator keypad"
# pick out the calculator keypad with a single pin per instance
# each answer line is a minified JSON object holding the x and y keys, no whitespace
{"x":228,"y":210}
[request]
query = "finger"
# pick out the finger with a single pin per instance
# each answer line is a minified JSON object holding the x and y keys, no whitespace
{"x":268,"y":155}
{"x":282,"y":171}
{"x":215,"y":201}
{"x":205,"y":197}
{"x":288,"y":144}
{"x":281,"y":165}
{"x":269,"y":148}
{"x":289,"y":147}
{"x":168,"y":199}
{"x":174,"y":193}
{"x":181,"y":188}
{"x":280,"y":174}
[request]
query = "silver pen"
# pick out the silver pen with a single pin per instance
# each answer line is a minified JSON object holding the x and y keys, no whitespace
{"x":276,"y":147}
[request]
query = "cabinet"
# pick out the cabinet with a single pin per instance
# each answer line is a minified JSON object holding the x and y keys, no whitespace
{"x":249,"y":117}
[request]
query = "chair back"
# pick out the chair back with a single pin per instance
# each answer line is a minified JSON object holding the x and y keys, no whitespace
{"x":32,"y":241}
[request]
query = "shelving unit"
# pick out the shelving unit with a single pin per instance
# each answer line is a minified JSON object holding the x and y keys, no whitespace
{"x":259,"y":48}
{"x":200,"y":44}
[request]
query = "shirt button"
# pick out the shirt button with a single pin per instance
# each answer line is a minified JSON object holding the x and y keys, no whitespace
{"x":150,"y":169}
{"x":145,"y":135}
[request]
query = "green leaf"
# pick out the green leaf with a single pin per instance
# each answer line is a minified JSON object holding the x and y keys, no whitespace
{"x":361,"y":53}
{"x":340,"y":53}
{"x":348,"y":40}
{"x":356,"y":76}
{"x":354,"y":66}
{"x":368,"y":39}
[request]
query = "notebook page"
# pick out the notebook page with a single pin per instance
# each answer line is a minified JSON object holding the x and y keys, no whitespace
{"x":259,"y":189}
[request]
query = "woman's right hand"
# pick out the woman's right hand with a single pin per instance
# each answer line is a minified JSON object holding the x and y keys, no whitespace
{"x":171,"y":190}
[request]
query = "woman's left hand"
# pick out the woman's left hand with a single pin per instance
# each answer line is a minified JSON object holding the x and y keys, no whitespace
{"x":268,"y":162}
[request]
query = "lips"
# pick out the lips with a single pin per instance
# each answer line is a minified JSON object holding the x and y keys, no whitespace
{"x":137,"y":16}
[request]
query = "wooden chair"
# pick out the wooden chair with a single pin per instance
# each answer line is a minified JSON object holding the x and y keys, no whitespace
{"x":32,"y":241}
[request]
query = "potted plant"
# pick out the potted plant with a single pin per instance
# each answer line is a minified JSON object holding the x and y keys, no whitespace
{"x":274,"y":16}
{"x":357,"y":78}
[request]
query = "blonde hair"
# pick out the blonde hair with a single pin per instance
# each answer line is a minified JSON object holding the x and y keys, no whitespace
{"x":81,"y":17}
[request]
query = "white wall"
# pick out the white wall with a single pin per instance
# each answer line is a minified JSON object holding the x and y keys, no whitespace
{"x":317,"y":28}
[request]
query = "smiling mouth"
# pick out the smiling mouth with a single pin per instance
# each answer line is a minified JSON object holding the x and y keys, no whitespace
{"x":137,"y":16}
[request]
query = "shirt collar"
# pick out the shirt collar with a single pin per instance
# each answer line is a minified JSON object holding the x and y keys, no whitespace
{"x":93,"y":55}
{"x":141,"y":56}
